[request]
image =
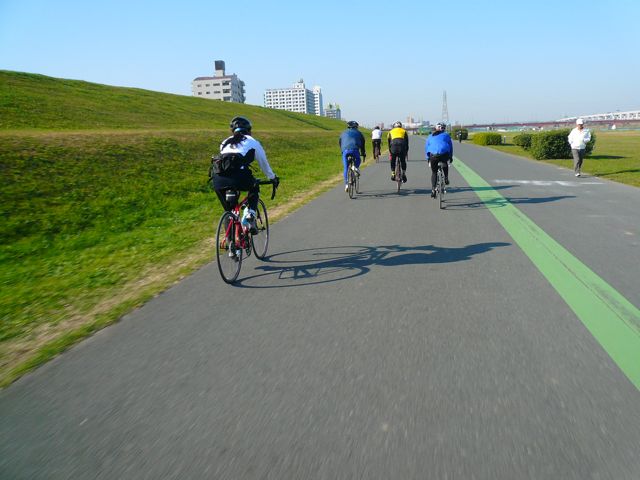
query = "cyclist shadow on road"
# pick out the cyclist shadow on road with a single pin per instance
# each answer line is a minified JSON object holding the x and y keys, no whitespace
{"x":453,"y":203}
{"x":422,"y":191}
{"x":314,"y":266}
{"x":476,"y":189}
{"x":373,"y":194}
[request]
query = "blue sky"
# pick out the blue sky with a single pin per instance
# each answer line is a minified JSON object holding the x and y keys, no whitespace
{"x":381,"y":61}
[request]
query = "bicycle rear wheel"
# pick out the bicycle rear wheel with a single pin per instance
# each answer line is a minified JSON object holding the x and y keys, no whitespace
{"x":440,"y":189}
{"x":357,"y":183}
{"x":398,"y":174}
{"x":351,"y":182}
{"x":228,"y":255}
{"x":260,"y":240}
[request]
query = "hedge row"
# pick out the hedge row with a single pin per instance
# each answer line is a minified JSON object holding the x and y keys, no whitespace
{"x":487,"y":138}
{"x":455,"y":130}
{"x":523,"y":140}
{"x":554,"y":144}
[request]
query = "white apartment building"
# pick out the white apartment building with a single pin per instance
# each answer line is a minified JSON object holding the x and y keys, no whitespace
{"x":295,"y":99}
{"x":317,"y":101}
{"x":228,"y":88}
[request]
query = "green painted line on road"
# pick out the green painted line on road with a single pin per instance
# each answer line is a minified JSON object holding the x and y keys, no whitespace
{"x":611,"y":318}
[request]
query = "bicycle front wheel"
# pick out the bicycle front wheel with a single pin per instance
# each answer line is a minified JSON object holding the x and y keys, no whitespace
{"x":260,"y":240}
{"x":228,"y":255}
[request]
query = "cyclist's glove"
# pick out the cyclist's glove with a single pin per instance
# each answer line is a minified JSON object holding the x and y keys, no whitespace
{"x":276,"y":181}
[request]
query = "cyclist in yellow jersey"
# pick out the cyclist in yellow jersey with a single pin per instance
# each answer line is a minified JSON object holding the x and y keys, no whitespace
{"x":398,"y":141}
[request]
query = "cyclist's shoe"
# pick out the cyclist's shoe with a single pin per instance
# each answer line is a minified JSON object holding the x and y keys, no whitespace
{"x":446,"y":181}
{"x":346,"y":187}
{"x":249,"y":221}
{"x":404,"y":178}
{"x":433,"y":194}
{"x":393,"y":176}
{"x":253,"y":227}
{"x":356,"y":170}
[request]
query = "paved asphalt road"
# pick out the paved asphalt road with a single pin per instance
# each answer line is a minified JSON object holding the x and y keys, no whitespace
{"x":382,"y":339}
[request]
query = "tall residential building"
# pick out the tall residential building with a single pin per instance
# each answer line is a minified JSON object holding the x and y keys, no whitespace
{"x":295,"y":99}
{"x":333,"y":111}
{"x":228,"y":88}
{"x":317,"y":101}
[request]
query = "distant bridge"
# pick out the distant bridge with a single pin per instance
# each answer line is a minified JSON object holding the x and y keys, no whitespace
{"x":606,"y":117}
{"x":563,"y":123}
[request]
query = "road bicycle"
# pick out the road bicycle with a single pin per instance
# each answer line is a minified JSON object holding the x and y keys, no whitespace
{"x":376,"y":151}
{"x":398,"y":173}
{"x":353,"y":177}
{"x":441,"y":187}
{"x":234,"y":240}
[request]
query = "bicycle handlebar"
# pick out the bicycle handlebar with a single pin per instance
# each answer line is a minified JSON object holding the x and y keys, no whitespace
{"x":267,"y":182}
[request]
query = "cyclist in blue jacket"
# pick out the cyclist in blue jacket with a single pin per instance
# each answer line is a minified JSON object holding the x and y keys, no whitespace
{"x":439,"y":148}
{"x":352,"y":142}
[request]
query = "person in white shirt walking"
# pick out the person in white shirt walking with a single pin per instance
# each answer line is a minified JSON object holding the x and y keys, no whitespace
{"x":578,"y":139}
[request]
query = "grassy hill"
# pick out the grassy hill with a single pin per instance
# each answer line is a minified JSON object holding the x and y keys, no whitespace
{"x":30,"y":101}
{"x":105,"y":200}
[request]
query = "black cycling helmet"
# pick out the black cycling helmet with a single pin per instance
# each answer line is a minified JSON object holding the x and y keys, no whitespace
{"x":352,"y":124}
{"x":240,"y":124}
{"x":397,"y":125}
{"x":376,"y":127}
{"x":441,"y":126}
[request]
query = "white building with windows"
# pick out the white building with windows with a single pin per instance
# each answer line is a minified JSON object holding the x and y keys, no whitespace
{"x":317,"y":101}
{"x":295,"y":99}
{"x":228,"y":88}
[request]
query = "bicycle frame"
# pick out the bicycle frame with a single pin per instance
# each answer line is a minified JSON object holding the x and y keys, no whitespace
{"x":233,"y":240}
{"x":376,"y":151}
{"x":398,"y":172}
{"x":441,"y":188}
{"x":241,"y":237}
{"x":352,"y":177}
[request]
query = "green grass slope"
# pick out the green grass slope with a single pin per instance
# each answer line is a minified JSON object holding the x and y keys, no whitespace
{"x":31,"y":101}
{"x":105,"y":200}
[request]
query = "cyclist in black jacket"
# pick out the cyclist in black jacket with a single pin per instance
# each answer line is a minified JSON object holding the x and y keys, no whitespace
{"x":237,"y":152}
